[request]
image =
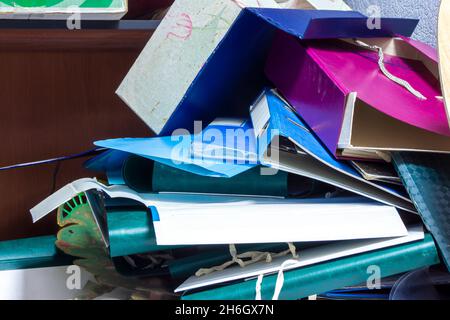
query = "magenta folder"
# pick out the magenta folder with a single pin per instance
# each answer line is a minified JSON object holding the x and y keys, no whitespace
{"x":340,"y":91}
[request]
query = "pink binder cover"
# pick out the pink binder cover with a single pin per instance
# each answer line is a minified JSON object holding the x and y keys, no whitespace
{"x":316,"y":76}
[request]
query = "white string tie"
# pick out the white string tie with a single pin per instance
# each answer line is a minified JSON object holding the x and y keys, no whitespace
{"x":389,"y":75}
{"x":278,"y":284}
{"x":251,"y":257}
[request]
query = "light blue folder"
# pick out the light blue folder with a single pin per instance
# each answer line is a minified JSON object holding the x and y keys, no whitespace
{"x":179,"y":151}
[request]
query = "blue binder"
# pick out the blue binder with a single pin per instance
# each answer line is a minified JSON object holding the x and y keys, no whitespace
{"x":312,"y":159}
{"x":234,"y":74}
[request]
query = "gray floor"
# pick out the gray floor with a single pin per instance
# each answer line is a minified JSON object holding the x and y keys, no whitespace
{"x":425,"y":10}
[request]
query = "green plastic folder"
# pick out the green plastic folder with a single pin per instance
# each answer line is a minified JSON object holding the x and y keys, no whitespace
{"x":323,"y":277}
{"x":63,"y":3}
{"x":131,"y":232}
{"x":63,"y":9}
{"x":144,"y":175}
{"x":251,"y":182}
{"x":38,"y":252}
{"x":426,"y":177}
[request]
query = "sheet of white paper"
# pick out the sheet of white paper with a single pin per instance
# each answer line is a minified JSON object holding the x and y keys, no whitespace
{"x":307,"y":166}
{"x":225,"y":220}
{"x":69,"y":191}
{"x":189,"y":219}
{"x":306,"y":257}
{"x":40,"y":284}
{"x":163,"y":200}
{"x":329,"y":5}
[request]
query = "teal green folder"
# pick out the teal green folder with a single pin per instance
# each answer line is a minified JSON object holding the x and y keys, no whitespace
{"x":426,"y":177}
{"x":327,"y":276}
{"x":131,"y":232}
{"x":38,"y":252}
{"x":144,"y":175}
{"x":251,"y":182}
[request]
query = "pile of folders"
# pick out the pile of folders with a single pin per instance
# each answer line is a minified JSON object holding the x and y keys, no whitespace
{"x":311,"y":159}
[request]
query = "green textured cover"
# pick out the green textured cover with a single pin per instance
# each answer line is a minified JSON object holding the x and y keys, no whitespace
{"x":323,"y":277}
{"x":62,"y":3}
{"x":131,"y":232}
{"x":38,"y":252}
{"x":251,"y":182}
{"x":427,"y":179}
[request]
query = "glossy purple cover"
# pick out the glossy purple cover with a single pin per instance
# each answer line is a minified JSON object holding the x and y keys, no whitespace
{"x":316,"y":77}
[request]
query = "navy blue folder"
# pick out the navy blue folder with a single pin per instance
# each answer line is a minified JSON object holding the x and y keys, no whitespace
{"x":234,"y":73}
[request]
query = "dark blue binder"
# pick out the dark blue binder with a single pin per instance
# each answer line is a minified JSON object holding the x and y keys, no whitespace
{"x":234,"y":73}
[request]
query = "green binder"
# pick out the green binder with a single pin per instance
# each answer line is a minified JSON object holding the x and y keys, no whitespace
{"x":426,"y":177}
{"x":251,"y":182}
{"x":38,"y":252}
{"x":323,"y":277}
{"x":144,"y":176}
{"x":131,"y":232}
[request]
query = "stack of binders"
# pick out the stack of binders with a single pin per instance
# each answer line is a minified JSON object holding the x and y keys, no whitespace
{"x":292,"y":163}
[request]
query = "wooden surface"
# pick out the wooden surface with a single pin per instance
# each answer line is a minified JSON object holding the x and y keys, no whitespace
{"x":24,"y":40}
{"x":444,"y":51}
{"x":145,"y":8}
{"x":57,"y":92}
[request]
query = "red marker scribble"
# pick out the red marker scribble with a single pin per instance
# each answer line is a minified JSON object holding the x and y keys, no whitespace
{"x":242,"y":5}
{"x":181,"y":27}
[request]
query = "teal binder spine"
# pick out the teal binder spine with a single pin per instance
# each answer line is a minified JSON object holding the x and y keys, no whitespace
{"x":38,"y":252}
{"x":251,"y":182}
{"x":144,"y":175}
{"x":131,"y":231}
{"x":323,"y":277}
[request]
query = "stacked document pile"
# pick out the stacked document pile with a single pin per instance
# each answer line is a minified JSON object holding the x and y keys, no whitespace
{"x":296,"y":156}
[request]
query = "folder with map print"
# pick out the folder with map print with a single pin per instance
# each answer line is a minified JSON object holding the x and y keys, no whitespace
{"x":286,"y":143}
